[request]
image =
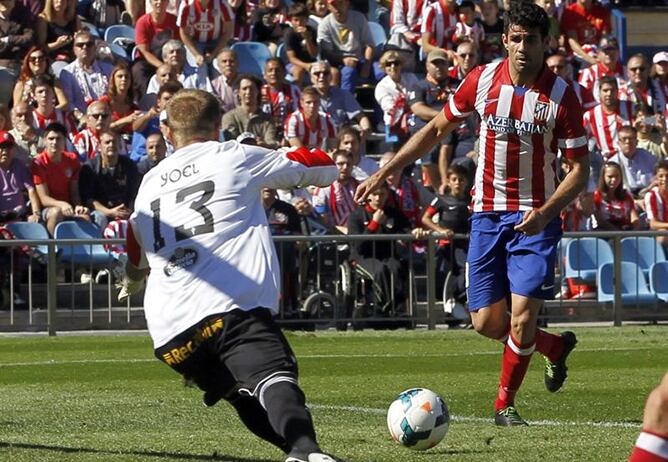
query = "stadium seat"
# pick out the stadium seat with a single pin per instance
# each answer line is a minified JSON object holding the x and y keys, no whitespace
{"x":642,"y":250}
{"x":252,"y":57}
{"x":95,"y":32}
{"x":658,"y":279}
{"x":82,"y":254}
{"x":118,"y":51}
{"x":378,"y":35}
{"x":119,"y":31}
{"x":57,"y":67}
{"x":633,"y":285}
{"x":584,"y":256}
{"x":282,"y":54}
{"x":30,"y":231}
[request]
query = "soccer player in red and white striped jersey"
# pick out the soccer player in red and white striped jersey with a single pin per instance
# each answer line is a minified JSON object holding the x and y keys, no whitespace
{"x":527,"y":114}
{"x":205,"y":27}
{"x":656,"y":200}
{"x":604,"y":121}
{"x":307,"y":126}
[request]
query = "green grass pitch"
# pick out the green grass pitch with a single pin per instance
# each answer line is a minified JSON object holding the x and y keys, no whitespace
{"x":106,"y":398}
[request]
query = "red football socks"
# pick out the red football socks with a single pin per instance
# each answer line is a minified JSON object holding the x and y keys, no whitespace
{"x":516,"y":358}
{"x":650,"y":447}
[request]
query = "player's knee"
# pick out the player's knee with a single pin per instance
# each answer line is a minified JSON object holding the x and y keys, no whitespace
{"x":656,"y":409}
{"x":489,"y":327}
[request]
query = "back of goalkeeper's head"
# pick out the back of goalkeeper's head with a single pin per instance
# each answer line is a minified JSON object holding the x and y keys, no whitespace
{"x":193,"y":116}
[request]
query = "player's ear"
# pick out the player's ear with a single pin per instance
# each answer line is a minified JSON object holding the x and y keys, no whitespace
{"x":169,"y":134}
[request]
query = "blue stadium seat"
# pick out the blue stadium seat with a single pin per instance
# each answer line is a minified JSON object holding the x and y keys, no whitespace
{"x":378,"y":34}
{"x":30,"y":231}
{"x":633,"y":284}
{"x":119,"y":31}
{"x":118,"y":51}
{"x":658,"y":279}
{"x":84,"y":254}
{"x":642,"y":250}
{"x":252,"y":57}
{"x":584,"y":256}
{"x":282,"y":54}
{"x":94,"y":31}
{"x":57,"y":67}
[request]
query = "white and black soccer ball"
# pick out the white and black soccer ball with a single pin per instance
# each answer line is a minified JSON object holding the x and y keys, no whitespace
{"x":418,"y":419}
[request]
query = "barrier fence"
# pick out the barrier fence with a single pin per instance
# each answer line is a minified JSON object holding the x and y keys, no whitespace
{"x":323,"y":286}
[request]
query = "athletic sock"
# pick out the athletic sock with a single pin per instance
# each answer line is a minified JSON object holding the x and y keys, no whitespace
{"x":255,"y":418}
{"x":287,"y":412}
{"x":549,"y":345}
{"x":650,"y":447}
{"x":516,"y":358}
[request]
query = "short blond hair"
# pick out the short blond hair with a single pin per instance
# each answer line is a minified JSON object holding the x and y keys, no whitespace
{"x":193,"y":114}
{"x":391,"y":55}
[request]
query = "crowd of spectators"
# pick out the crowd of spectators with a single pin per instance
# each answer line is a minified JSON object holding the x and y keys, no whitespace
{"x":79,"y":126}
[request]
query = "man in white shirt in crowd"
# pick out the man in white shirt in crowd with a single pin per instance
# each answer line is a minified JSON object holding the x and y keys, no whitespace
{"x":637,"y":164}
{"x":200,"y":228}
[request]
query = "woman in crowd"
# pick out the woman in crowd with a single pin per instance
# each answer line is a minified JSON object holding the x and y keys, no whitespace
{"x":123,"y":108}
{"x":391,"y":93}
{"x":56,"y":28}
{"x":36,"y":62}
{"x":318,"y":10}
{"x":614,"y":207}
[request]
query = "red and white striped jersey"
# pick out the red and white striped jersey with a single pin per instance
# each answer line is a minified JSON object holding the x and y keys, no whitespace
{"x":664,"y":91}
{"x":407,"y":16}
{"x":440,"y":22}
{"x":604,"y":126}
{"x":337,"y":200}
{"x":585,"y":96}
{"x":298,"y":126}
{"x":116,"y":229}
{"x":87,"y":144}
{"x":41,"y":121}
{"x":203,"y":25}
{"x":616,"y":212}
{"x":463,"y":32}
{"x":590,"y":76}
{"x":656,"y":205}
{"x":651,"y":96}
{"x":520,"y":132}
{"x":283,"y":101}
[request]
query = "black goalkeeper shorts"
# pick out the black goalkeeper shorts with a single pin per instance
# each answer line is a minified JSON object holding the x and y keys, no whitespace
{"x":225,"y":353}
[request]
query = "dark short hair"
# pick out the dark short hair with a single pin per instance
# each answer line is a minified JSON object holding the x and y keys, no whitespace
{"x":253,"y":78}
{"x":458,"y":169}
{"x":610,"y":80}
{"x":170,"y":87}
{"x":348,"y":131}
{"x":297,"y":10}
{"x":43,"y":80}
{"x":310,"y":91}
{"x":528,"y":15}
{"x":467,"y":4}
{"x":661,"y":165}
{"x":56,"y":127}
{"x":341,"y":152}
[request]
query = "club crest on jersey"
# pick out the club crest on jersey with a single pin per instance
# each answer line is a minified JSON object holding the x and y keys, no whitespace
{"x":502,"y":124}
{"x":182,"y":259}
{"x":542,"y":111}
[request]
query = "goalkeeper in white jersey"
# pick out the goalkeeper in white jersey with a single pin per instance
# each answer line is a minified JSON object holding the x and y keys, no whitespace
{"x":200,"y":236}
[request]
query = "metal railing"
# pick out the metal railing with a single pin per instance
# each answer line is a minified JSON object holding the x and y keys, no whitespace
{"x":423,"y":305}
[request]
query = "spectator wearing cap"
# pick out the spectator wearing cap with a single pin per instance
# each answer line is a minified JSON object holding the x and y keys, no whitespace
{"x":584,"y":23}
{"x":391,"y":93}
{"x":16,"y":181}
{"x":557,"y":63}
{"x":150,"y":122}
{"x":608,"y":64}
{"x":56,"y":176}
{"x":156,"y":151}
{"x":660,"y":73}
{"x":340,"y":104}
{"x":640,"y":89}
{"x":16,"y":37}
{"x":300,"y":42}
{"x":248,"y":117}
{"x":426,"y":100}
{"x":345,"y":41}
{"x":109,"y":182}
{"x":85,"y":79}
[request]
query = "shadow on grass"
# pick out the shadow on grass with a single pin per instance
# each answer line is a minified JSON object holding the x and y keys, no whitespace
{"x":157,"y":454}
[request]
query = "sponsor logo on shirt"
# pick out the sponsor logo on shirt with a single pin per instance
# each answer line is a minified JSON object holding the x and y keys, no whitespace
{"x":182,"y":259}
{"x":501,"y":124}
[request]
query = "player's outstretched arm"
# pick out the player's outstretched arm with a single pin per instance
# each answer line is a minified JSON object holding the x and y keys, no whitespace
{"x":416,"y":146}
{"x":576,"y":180}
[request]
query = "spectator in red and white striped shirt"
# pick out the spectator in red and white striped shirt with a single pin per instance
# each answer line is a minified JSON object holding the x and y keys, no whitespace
{"x":307,"y":126}
{"x":608,"y":64}
{"x":604,"y":121}
{"x":205,"y":27}
{"x":557,"y":63}
{"x":656,"y":201}
{"x":279,"y":97}
{"x":46,"y":112}
{"x":438,"y":26}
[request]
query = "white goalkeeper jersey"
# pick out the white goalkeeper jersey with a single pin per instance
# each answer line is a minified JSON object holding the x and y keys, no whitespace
{"x":200,"y":226}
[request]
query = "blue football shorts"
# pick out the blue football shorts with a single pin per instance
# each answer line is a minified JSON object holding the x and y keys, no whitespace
{"x":502,"y":261}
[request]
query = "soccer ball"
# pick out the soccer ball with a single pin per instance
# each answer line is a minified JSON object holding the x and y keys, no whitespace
{"x":418,"y":419}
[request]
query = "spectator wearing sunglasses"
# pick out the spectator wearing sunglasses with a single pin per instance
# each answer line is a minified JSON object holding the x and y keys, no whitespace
{"x":87,"y":141}
{"x":85,"y":79}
